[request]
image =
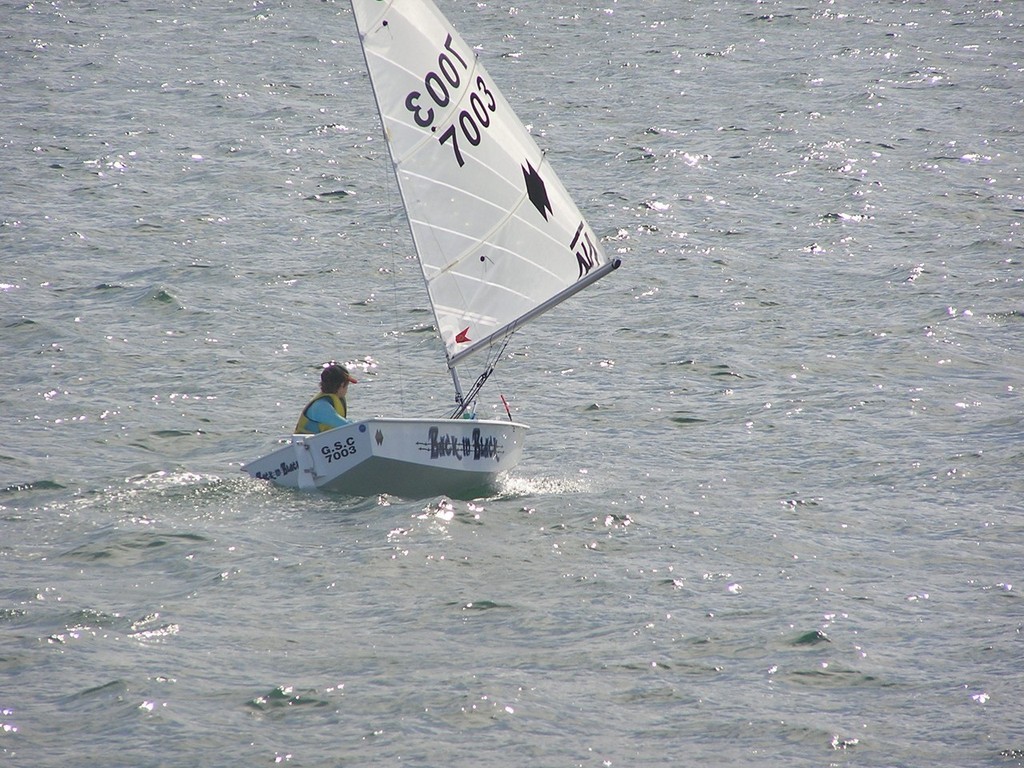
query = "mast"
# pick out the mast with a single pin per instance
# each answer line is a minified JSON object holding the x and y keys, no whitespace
{"x":458,"y":386}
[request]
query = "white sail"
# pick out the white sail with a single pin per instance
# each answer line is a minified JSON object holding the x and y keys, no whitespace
{"x":498,"y":237}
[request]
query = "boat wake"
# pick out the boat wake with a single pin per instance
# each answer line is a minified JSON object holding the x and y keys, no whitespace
{"x":514,"y":486}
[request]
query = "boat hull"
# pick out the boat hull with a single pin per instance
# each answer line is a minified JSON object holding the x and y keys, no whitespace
{"x":411,"y":458}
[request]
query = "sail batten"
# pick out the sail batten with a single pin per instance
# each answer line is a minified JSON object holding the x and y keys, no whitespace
{"x":498,"y":238}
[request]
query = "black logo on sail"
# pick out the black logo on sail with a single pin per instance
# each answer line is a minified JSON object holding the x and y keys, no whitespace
{"x":536,"y":190}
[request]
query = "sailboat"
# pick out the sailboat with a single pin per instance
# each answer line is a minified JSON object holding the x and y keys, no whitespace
{"x":499,"y":242}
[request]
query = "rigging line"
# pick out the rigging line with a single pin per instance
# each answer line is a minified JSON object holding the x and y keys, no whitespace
{"x":397,"y":333}
{"x":468,"y":399}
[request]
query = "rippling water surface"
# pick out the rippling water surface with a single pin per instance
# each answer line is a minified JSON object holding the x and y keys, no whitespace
{"x":770,"y":510}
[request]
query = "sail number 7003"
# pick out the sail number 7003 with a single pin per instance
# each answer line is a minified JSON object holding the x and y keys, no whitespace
{"x":439,"y":84}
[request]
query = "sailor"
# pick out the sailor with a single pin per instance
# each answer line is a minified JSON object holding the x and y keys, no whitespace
{"x":328,"y":409}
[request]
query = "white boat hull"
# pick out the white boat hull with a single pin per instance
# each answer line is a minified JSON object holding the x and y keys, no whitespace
{"x":411,"y":458}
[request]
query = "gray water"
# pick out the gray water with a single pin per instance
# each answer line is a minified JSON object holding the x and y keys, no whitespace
{"x":770,"y":509}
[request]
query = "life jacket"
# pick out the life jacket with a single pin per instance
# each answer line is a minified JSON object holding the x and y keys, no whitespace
{"x":306,"y":426}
